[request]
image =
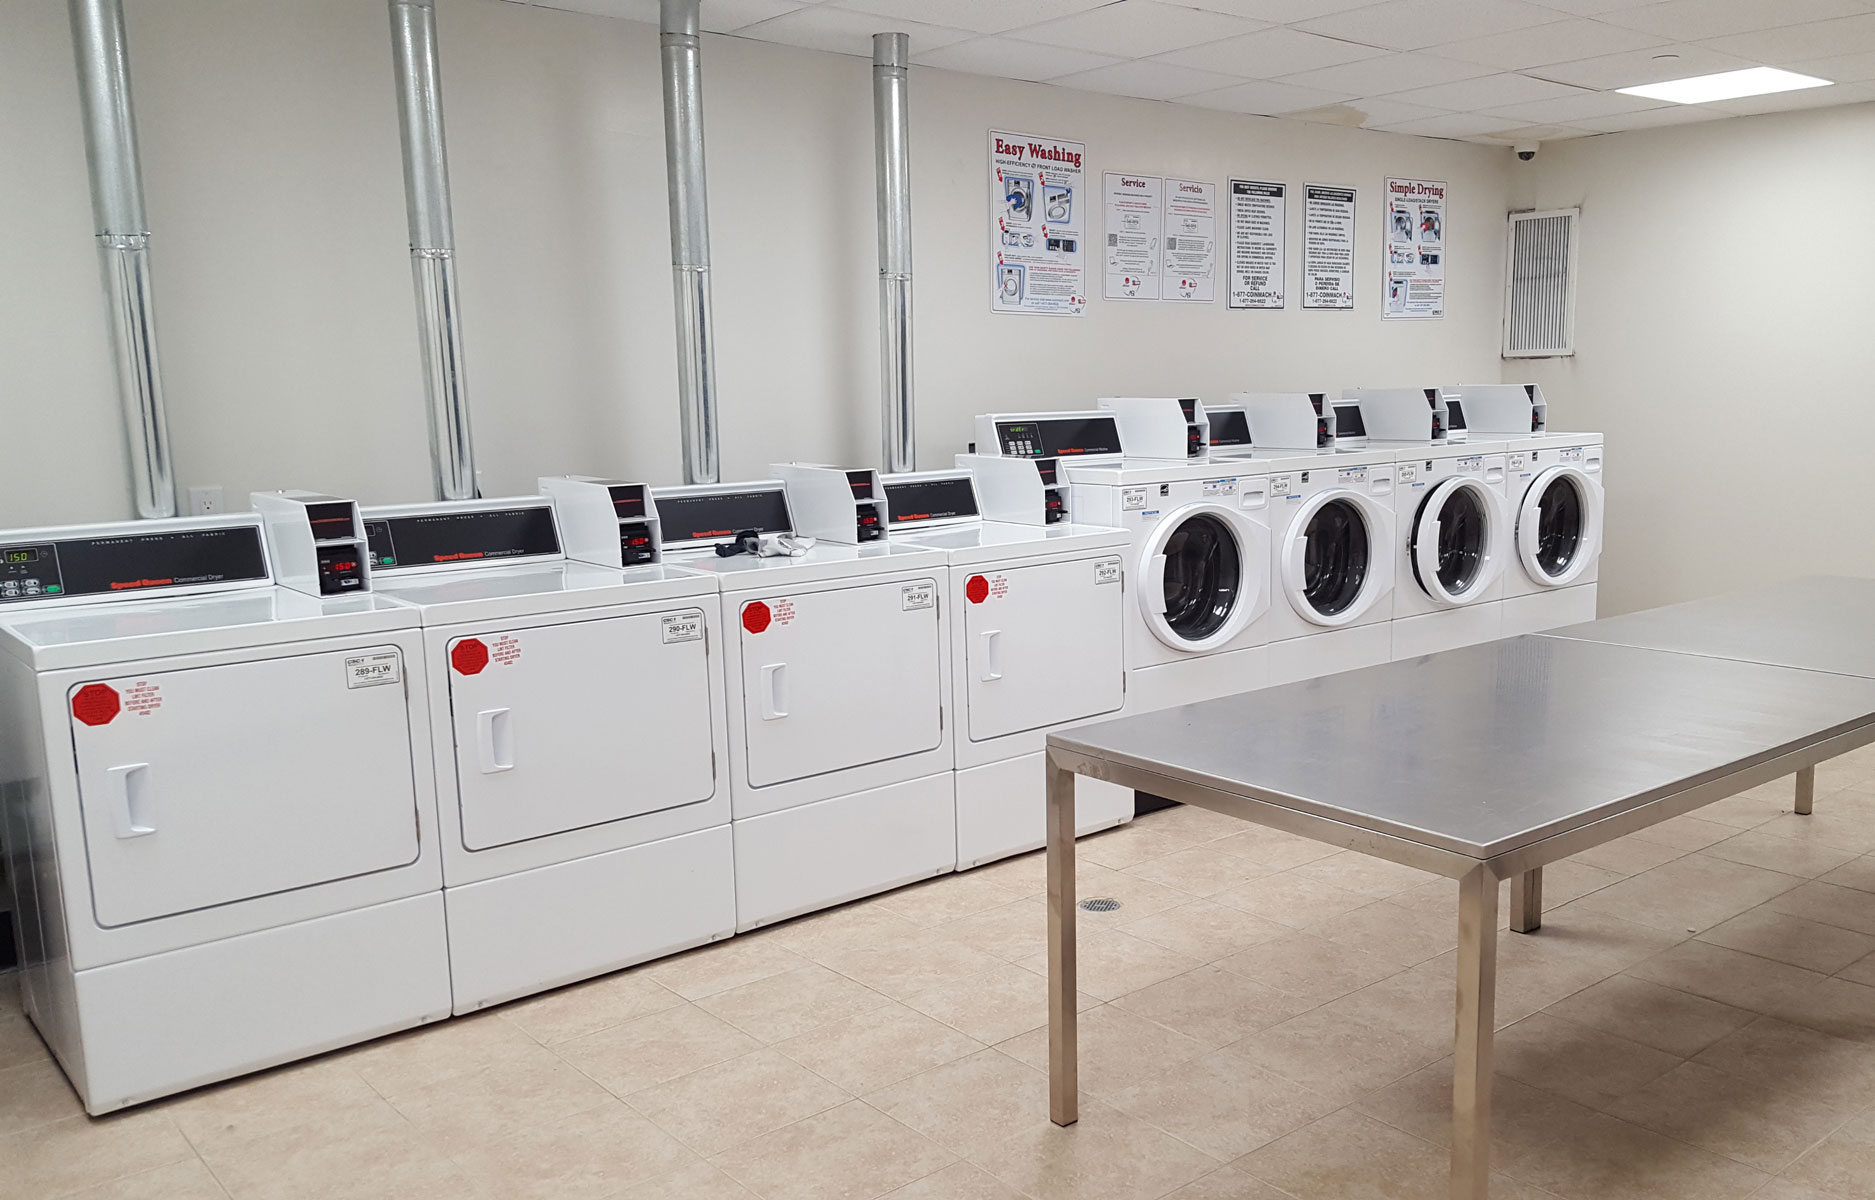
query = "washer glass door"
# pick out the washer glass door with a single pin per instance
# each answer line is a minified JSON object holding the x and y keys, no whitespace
{"x":1451,"y":547}
{"x":1336,"y":560}
{"x":1202,"y":577}
{"x":1558,"y":526}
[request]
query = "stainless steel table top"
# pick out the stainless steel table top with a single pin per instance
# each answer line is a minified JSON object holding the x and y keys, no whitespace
{"x":1488,"y":749}
{"x":1822,"y":623}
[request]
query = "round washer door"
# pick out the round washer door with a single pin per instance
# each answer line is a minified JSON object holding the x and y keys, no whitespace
{"x":1453,"y":544}
{"x":1333,"y":556}
{"x":1199,"y":577}
{"x":1559,"y":525}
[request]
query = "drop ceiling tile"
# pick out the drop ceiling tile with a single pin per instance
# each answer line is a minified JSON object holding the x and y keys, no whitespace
{"x":823,"y":27}
{"x":727,"y":16}
{"x":1794,"y":43}
{"x":1137,"y":28}
{"x":978,"y":16}
{"x":1009,"y":58}
{"x":1367,"y":114}
{"x":1145,"y":79}
{"x":1675,"y":114}
{"x":1268,"y":53}
{"x":1390,"y":73}
{"x":1451,"y":125}
{"x":1842,"y":93}
{"x":1593,"y":8}
{"x":1265,"y":98}
{"x":1280,"y":12}
{"x":1640,"y":66}
{"x":1489,"y":91}
{"x":1693,"y":20}
{"x":1416,"y":24}
{"x":1574,"y":108}
{"x":1562,"y":41}
{"x":1839,"y":68}
{"x":624,"y":10}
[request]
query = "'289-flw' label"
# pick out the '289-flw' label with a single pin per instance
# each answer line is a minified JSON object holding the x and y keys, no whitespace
{"x":373,"y":670}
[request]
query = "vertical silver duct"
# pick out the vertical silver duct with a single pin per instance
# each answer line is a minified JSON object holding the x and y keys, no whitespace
{"x":690,"y":236}
{"x":123,"y":245}
{"x":432,"y":245}
{"x":891,"y":128}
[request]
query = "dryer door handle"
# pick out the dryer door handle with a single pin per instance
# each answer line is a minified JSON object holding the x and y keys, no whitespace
{"x":992,"y":661}
{"x":494,"y":740}
{"x":774,"y":691}
{"x":133,"y":800}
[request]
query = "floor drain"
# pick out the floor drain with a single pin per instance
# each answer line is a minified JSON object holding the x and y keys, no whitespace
{"x":1102,"y":904}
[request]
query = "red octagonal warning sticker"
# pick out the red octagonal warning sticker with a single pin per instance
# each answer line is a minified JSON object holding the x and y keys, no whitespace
{"x":469,"y":656}
{"x":756,"y":616}
{"x":96,"y":704}
{"x":976,"y":589}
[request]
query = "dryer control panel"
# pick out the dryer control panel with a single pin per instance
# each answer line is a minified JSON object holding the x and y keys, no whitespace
{"x":835,"y":504}
{"x":1288,"y":420}
{"x":317,"y":540}
{"x":1168,"y":427}
{"x":1019,"y":491}
{"x":131,"y":559}
{"x":925,"y":499}
{"x":454,"y":534}
{"x":1513,"y":409}
{"x":1077,"y":435}
{"x":606,"y":521}
{"x":1401,"y":414}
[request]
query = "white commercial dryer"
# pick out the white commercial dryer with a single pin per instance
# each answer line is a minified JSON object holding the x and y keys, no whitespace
{"x":220,"y":814}
{"x":836,"y":659}
{"x":577,"y":713}
{"x":1036,"y":633}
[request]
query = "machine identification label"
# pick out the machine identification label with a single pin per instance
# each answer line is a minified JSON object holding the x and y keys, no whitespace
{"x":1220,"y":487}
{"x":1471,"y":466}
{"x":373,"y":670}
{"x":1409,"y":472}
{"x":1279,"y":485}
{"x":683,"y":627}
{"x":918,"y":595}
{"x":1107,"y":570}
{"x":1132,"y":498}
{"x":1354,"y":474}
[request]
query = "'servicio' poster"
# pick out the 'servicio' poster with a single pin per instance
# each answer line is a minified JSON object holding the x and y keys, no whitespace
{"x":1414,"y":269}
{"x":1258,"y":226}
{"x":1038,"y":210}
{"x":1327,"y":246}
{"x":1188,"y":249}
{"x":1135,"y":213}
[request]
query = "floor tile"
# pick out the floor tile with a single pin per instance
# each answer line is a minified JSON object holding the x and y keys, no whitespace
{"x":906,"y":967}
{"x":698,"y":1181}
{"x":242,"y":1109}
{"x":1793,"y":940}
{"x":784,"y":1006}
{"x":708,"y":970}
{"x":1751,"y":809}
{"x":1405,"y":936}
{"x":583,"y":1156}
{"x":959,"y":1181}
{"x":1688,"y":832}
{"x":35,"y":1094}
{"x":1138,"y":896}
{"x":995,"y":1006}
{"x":1661,"y":1017}
{"x":1418,"y":1005}
{"x":1336,"y":1057}
{"x":1744,"y":1120}
{"x":1607,"y":1159}
{"x":1844,"y":1164}
{"x":638,"y":1054}
{"x":583,"y":1008}
{"x":884,"y":1045}
{"x":853,"y":1152}
{"x":1117,"y":1049}
{"x":967,"y":1105}
{"x":366,"y":1156}
{"x":1827,"y":826}
{"x":1111,"y":963}
{"x":1776,"y":989}
{"x":1013,"y":932}
{"x":1199,"y":870}
{"x":1522,"y":1117}
{"x":407,"y":1061}
{"x":19,"y":1043}
{"x":1227,"y":1183}
{"x":471,"y":1108}
{"x":1790,"y":1057}
{"x":1847,"y":908}
{"x":857,"y":926}
{"x":946,"y":898}
{"x":731,"y":1102}
{"x":1131,"y":844}
{"x":1364,"y":874}
{"x":1310,"y":967}
{"x":1805,"y":857}
{"x":1857,"y":873}
{"x":186,"y":1180}
{"x":79,"y":1152}
{"x":1212,"y":1006}
{"x":1221,"y":1104}
{"x":1204,"y":825}
{"x":1204,"y":931}
{"x":1688,"y":894}
{"x":1272,"y":848}
{"x":1351,"y":1157}
{"x":1106,"y":1155}
{"x":1293,"y":899}
{"x":1632,"y":855}
{"x":1576,"y":1062}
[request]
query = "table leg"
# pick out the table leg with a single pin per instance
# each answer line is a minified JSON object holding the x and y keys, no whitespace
{"x":1806,"y":790}
{"x":1526,"y":901}
{"x":1471,"y":1055}
{"x":1064,"y":1069}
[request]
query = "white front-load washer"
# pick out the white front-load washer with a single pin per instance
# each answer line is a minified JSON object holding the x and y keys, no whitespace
{"x":1037,"y":636}
{"x":578,"y":716}
{"x":1454,"y":544}
{"x":837,"y":666}
{"x":220,"y":815}
{"x":1332,"y":528}
{"x":1554,"y":491}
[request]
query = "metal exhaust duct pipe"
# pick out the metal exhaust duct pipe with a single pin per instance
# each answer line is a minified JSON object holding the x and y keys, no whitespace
{"x":690,"y":236}
{"x":432,"y":246}
{"x":123,"y":245}
{"x":891,"y":127}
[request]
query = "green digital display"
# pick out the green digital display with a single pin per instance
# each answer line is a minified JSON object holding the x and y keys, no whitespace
{"x":22,"y":556}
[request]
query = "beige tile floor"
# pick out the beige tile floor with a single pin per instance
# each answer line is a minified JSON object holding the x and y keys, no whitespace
{"x":1263,"y":1018}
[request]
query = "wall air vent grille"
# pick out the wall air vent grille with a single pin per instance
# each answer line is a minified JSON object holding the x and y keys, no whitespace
{"x":1540,"y":284}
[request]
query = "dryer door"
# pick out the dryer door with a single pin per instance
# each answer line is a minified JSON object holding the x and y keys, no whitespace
{"x":561,"y":727}
{"x":1453,"y":546}
{"x":1200,"y":576}
{"x":1042,"y":644}
{"x":1559,"y":525}
{"x":840,"y":678}
{"x":218,"y":784}
{"x":1332,"y":557}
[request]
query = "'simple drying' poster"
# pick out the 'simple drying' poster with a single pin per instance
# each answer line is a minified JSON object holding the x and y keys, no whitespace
{"x":1038,"y":215}
{"x":1413,"y":273}
{"x":1258,"y":228}
{"x":1327,"y":246}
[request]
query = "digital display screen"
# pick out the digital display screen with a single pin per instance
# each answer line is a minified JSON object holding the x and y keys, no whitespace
{"x":463,"y":537}
{"x":628,"y":501}
{"x":1454,"y":415}
{"x":931,"y":500}
{"x":22,"y":556}
{"x":331,"y":521}
{"x":1230,"y":427}
{"x":183,"y":558}
{"x":723,"y":514}
{"x":1348,"y":422}
{"x":1059,"y":437}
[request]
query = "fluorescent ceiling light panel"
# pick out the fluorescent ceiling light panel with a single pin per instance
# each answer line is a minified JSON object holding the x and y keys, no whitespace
{"x":1726,"y":85}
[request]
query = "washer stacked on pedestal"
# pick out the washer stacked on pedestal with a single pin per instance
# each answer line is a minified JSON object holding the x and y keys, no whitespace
{"x":220,"y":810}
{"x":577,"y":716}
{"x":1036,"y":629}
{"x":836,"y":659}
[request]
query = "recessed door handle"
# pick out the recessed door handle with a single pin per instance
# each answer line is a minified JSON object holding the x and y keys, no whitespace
{"x":494,"y":739}
{"x":992,"y":667}
{"x":774,"y":691}
{"x":133,"y":795}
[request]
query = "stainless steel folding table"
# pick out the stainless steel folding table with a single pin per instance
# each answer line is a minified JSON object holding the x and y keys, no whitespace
{"x":1479,"y":764}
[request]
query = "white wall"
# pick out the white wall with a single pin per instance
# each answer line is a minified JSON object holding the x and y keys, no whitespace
{"x":1725,"y":346}
{"x":285,"y":313}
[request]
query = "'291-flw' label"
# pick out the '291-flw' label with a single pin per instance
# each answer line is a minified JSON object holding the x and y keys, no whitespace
{"x":918,"y":595}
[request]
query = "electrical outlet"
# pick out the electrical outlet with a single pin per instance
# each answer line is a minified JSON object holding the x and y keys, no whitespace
{"x":205,"y":501}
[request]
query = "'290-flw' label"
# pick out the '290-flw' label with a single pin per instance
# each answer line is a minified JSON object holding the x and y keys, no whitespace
{"x":683,"y":627}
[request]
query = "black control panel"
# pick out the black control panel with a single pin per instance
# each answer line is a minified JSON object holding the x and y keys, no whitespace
{"x":1348,"y":422}
{"x":707,"y":516}
{"x":427,"y":539}
{"x":1230,"y":427}
{"x":341,"y":570}
{"x":1454,"y":415}
{"x":1058,"y":437}
{"x":130,"y":563}
{"x":931,"y":500}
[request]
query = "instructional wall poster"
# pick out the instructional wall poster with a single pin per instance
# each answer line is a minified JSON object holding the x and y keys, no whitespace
{"x":1414,"y":269}
{"x":1188,"y":248}
{"x":1258,"y":258}
{"x":1327,"y":246}
{"x":1038,"y":213}
{"x":1135,"y":215}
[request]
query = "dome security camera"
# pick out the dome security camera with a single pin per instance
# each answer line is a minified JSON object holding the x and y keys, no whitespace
{"x":1526,"y":151}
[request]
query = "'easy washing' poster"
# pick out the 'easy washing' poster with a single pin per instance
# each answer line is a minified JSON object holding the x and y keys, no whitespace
{"x":1038,"y":207}
{"x":1414,"y":271}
